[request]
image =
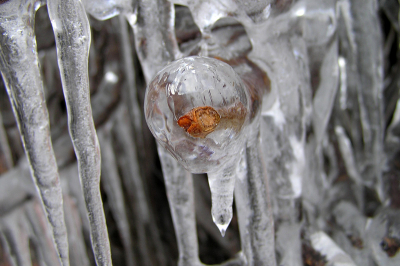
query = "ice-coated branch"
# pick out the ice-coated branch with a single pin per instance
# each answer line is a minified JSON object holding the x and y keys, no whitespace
{"x":72,"y":33}
{"x":179,"y":186}
{"x":21,"y":74}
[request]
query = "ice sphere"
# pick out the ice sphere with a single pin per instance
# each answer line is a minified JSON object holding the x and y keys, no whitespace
{"x":196,"y":108}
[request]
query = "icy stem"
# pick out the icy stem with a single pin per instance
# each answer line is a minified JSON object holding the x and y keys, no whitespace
{"x":72,"y":33}
{"x":20,"y":71}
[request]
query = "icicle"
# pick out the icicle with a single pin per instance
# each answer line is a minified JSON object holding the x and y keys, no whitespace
{"x":113,"y":188}
{"x":16,"y":229}
{"x":72,"y":33}
{"x":156,"y":46}
{"x":102,"y":10}
{"x":348,"y":155}
{"x":4,"y":145}
{"x":392,"y":144}
{"x":130,"y":72}
{"x":37,"y":221}
{"x":351,"y":166}
{"x":155,"y":36}
{"x":71,"y":175}
{"x":252,"y":199}
{"x":78,"y":254}
{"x":222,"y":184}
{"x":128,"y":162}
{"x":361,"y":33}
{"x":20,"y":71}
{"x":16,"y":186}
{"x":6,"y":251}
{"x":325,"y":96}
{"x":179,"y":186}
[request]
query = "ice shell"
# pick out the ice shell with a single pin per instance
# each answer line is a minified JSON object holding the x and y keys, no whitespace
{"x":196,"y":108}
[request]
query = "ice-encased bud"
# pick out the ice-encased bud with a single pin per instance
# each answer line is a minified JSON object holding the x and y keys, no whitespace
{"x":196,"y":108}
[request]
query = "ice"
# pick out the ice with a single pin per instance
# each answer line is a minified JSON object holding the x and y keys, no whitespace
{"x":252,"y":199}
{"x":72,"y":34}
{"x":352,"y":237}
{"x":335,"y":256}
{"x":364,"y":86}
{"x":383,"y":232}
{"x":155,"y":40}
{"x":106,"y":9}
{"x":347,"y":154}
{"x":133,"y":101}
{"x":306,"y":140}
{"x":197,"y":109}
{"x":180,"y":195}
{"x":20,"y":71}
{"x":325,"y":96}
{"x":127,"y":160}
{"x":222,"y":184}
{"x":113,"y":188}
{"x":5,"y":146}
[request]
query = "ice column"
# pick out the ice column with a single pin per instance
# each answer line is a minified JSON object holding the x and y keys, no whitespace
{"x":21,"y":74}
{"x":72,"y":32}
